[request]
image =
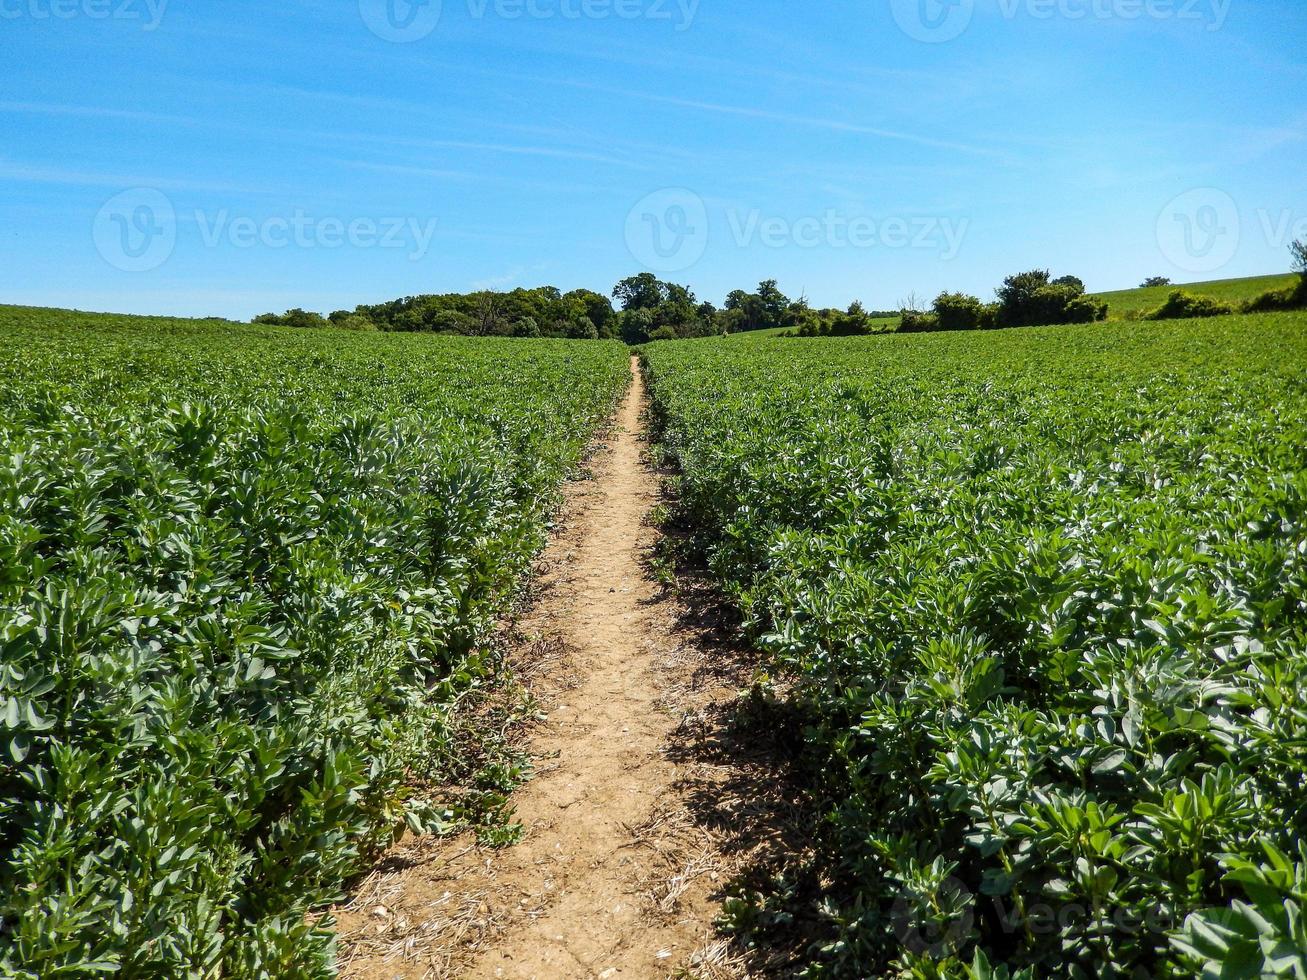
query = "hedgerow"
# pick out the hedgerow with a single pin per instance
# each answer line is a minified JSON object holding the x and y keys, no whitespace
{"x":246,"y":579}
{"x":1043,"y":596}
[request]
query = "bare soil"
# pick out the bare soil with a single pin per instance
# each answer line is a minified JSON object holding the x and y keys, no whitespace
{"x":647,"y":801}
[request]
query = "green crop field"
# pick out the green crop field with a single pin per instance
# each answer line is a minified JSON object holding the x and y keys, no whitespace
{"x":246,"y":576}
{"x":1042,"y":598}
{"x":1129,"y":302}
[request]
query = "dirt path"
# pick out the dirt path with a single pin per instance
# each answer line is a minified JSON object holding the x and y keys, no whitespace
{"x":620,"y":870}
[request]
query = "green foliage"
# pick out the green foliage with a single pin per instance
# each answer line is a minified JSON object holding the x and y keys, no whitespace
{"x":344,"y":320}
{"x":918,"y":321}
{"x":246,"y":579}
{"x":1293,"y":297}
{"x":767,"y":309}
{"x":958,"y":311}
{"x":543,"y":312}
{"x":1132,"y":304}
{"x":650,"y":306}
{"x":1152,"y":282}
{"x":856,"y":321}
{"x":1186,"y":306}
{"x":1031,"y":299}
{"x":1043,"y":595}
{"x":301,"y":319}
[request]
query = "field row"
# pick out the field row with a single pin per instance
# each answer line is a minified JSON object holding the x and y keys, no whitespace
{"x":246,"y":575}
{"x":1042,"y":595}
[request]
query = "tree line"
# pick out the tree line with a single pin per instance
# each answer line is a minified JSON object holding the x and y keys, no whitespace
{"x":648,"y":309}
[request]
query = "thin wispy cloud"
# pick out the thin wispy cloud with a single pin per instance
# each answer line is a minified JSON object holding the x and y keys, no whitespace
{"x":90,"y":178}
{"x":791,"y":119}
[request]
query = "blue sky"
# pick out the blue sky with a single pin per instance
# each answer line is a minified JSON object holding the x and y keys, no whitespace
{"x":236,"y":157}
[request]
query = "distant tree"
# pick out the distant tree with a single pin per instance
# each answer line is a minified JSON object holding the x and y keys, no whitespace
{"x":1016,"y":297}
{"x":853,"y":322}
{"x":596,"y":308}
{"x":451,"y":321}
{"x":488,"y":313}
{"x":1030,"y":299}
{"x":1152,"y":281}
{"x":915,"y":321}
{"x":729,"y":321}
{"x":582,"y":329}
{"x":957,"y":311}
{"x":636,"y":325}
{"x":297,"y":318}
{"x":1299,"y":250}
{"x":773,"y":304}
{"x":910,"y":303}
{"x":642,"y":292}
{"x":755,"y":313}
{"x":1075,"y":282}
{"x":355,"y":321}
{"x":798,"y":313}
{"x":525,"y":327}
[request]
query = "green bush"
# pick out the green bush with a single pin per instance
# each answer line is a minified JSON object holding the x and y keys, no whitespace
{"x":958,"y":311}
{"x":1031,"y":299}
{"x":1276,"y":299}
{"x":1293,"y":298}
{"x":300,"y":319}
{"x":916,"y":321}
{"x":1186,"y":306}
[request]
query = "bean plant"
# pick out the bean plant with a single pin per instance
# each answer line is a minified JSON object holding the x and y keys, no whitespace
{"x":1043,"y":595}
{"x":247,"y":577}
